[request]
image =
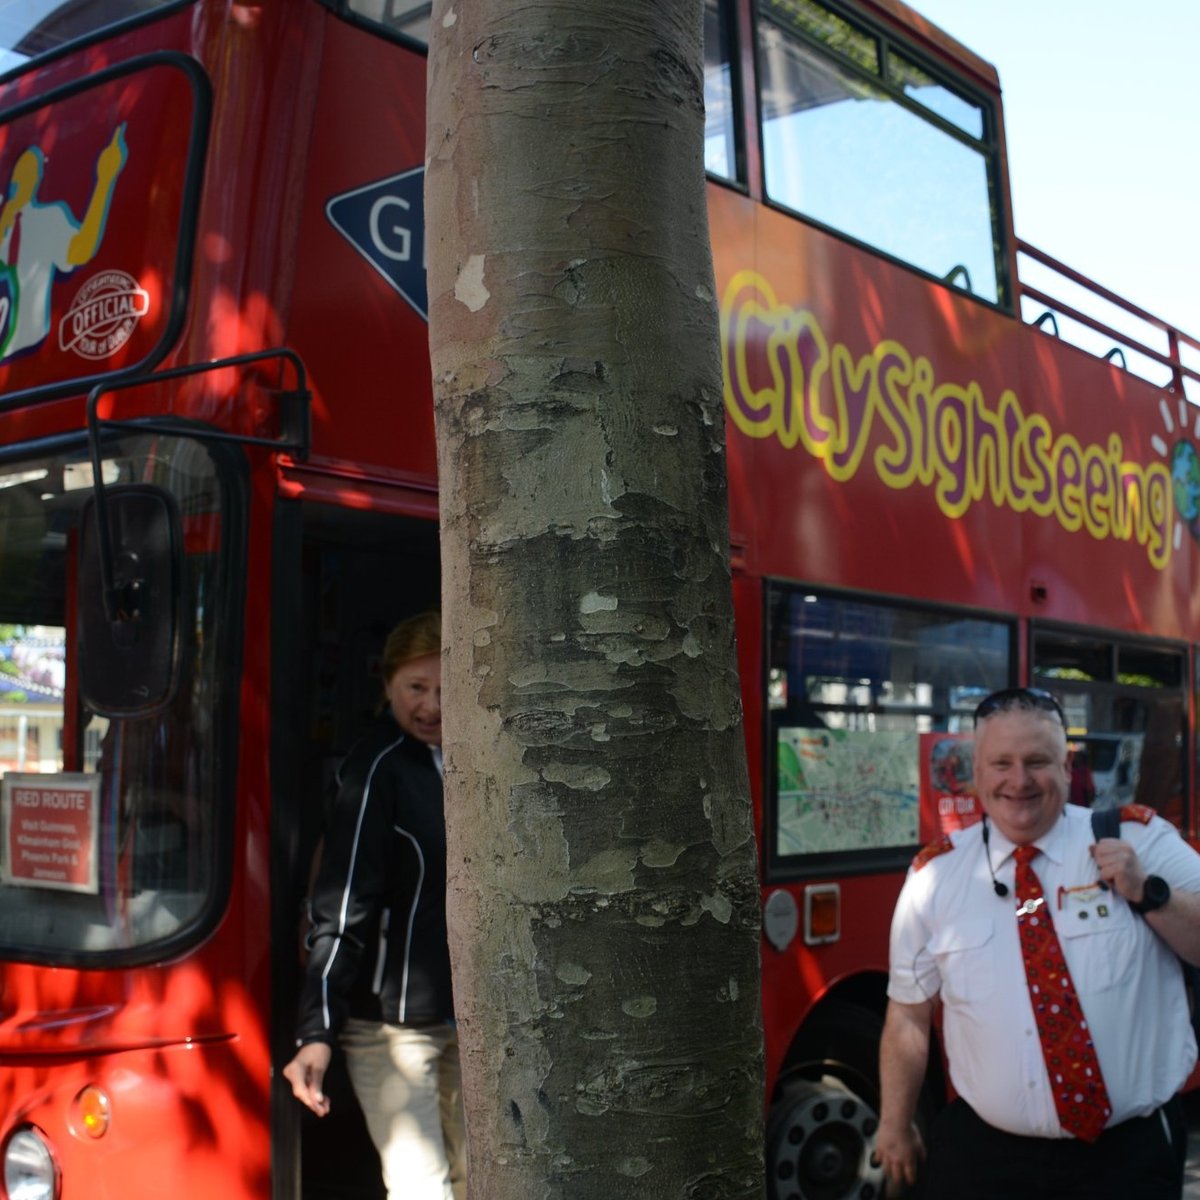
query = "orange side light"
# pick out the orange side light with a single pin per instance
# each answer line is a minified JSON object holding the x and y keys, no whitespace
{"x":822,"y":913}
{"x":92,"y":1111}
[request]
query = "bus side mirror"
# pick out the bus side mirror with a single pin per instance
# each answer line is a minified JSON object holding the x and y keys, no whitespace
{"x":128,"y":628}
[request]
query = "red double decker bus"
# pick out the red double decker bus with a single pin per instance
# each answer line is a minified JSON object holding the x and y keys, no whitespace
{"x":218,"y":491}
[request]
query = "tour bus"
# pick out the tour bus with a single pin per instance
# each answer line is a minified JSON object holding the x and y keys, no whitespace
{"x":954,"y":465}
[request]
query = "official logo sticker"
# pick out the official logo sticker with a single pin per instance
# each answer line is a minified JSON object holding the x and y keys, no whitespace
{"x":103,"y":315}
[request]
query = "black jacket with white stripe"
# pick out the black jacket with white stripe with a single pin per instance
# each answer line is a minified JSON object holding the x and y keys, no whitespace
{"x":378,"y":942}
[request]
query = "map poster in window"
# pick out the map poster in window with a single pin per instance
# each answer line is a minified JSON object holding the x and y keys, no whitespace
{"x":51,"y":831}
{"x":846,"y":790}
{"x":947,"y":784}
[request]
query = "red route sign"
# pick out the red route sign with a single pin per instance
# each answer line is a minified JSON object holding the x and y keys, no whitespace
{"x":51,"y":831}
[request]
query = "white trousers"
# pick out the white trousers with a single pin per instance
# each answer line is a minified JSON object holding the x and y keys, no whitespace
{"x":409,"y":1086}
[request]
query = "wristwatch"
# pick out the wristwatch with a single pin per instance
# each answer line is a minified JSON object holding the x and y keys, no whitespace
{"x":1155,"y":893}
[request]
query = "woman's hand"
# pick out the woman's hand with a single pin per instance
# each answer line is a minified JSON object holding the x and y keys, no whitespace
{"x":306,"y":1074}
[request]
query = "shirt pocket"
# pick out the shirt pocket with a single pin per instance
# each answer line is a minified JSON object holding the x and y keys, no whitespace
{"x":1101,"y":948}
{"x":966,"y":959}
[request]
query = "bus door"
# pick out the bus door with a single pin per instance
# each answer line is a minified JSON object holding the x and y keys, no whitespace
{"x":344,"y":577}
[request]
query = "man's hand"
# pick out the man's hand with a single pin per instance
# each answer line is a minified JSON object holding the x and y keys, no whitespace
{"x":903,"y":1053}
{"x":900,"y":1152}
{"x":1178,"y":923}
{"x":1120,"y":867}
{"x":306,"y":1074}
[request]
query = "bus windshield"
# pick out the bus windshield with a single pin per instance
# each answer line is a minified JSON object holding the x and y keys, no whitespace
{"x":109,"y":826}
{"x":37,"y":27}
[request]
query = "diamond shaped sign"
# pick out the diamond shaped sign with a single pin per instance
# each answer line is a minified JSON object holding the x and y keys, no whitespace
{"x":385,"y":222}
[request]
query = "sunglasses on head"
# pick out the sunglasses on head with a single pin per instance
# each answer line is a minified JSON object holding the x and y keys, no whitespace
{"x":1016,"y":699}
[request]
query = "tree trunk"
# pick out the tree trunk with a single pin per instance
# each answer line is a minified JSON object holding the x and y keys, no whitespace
{"x":603,"y":895}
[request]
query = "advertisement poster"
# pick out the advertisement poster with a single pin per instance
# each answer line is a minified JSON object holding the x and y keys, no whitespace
{"x":947,"y":784}
{"x":51,"y":831}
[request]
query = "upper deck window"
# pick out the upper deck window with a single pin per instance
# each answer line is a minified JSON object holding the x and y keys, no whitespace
{"x":830,"y":30}
{"x":720,"y":106}
{"x":396,"y":16}
{"x":868,"y":142}
{"x":38,"y":27}
{"x":917,"y":84}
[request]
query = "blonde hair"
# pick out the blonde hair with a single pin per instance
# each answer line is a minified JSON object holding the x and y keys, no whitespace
{"x":414,"y":637}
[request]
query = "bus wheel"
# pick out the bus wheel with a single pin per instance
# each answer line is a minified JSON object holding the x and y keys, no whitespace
{"x":820,"y":1137}
{"x":820,"y":1134}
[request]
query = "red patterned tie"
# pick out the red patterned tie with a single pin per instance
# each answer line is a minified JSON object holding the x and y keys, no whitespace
{"x":1079,"y":1092}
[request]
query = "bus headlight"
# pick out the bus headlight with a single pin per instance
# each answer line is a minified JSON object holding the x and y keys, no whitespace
{"x":30,"y":1172}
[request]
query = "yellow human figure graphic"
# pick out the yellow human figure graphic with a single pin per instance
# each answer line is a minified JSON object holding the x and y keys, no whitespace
{"x":40,"y":241}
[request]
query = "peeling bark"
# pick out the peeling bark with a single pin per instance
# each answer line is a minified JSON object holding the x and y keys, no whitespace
{"x":603,"y":894}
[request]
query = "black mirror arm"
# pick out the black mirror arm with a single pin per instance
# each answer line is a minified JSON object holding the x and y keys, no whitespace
{"x":115,"y":606}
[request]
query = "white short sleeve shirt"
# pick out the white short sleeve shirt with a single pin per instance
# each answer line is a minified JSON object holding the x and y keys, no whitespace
{"x":953,"y":936}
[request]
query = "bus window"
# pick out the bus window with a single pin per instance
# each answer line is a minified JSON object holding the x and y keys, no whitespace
{"x":917,"y":84}
{"x":1126,"y":713}
{"x":866,"y":142}
{"x":110,"y":827}
{"x":29,"y":30}
{"x":868,"y":702}
{"x":395,"y":16}
{"x":720,"y":108}
{"x":720,"y":105}
{"x":32,"y":672}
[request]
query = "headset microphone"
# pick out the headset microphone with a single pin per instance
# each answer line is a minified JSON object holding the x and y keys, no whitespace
{"x":1001,"y":889}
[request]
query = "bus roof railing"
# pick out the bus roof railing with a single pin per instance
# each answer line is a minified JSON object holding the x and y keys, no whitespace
{"x":1176,"y":338}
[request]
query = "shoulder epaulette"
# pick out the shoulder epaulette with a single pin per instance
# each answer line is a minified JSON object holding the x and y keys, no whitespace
{"x":928,"y":853}
{"x":1138,"y":812}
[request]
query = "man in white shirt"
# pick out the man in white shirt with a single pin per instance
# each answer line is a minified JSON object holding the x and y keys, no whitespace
{"x":1121,"y":909}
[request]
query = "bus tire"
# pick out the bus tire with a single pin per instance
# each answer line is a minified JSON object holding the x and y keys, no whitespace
{"x":820,"y":1134}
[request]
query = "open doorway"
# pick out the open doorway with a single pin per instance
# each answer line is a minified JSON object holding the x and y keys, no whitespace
{"x":344,"y":576}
